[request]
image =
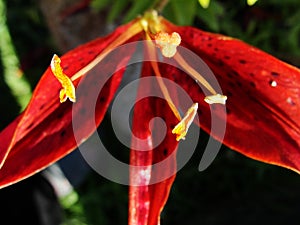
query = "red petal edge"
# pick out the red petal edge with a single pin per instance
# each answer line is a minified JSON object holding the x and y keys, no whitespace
{"x":43,"y":133}
{"x":146,"y":201}
{"x":263,"y":105}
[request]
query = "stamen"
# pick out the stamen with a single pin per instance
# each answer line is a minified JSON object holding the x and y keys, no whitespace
{"x":194,"y":73}
{"x":152,"y":53}
{"x":217,"y":98}
{"x":133,"y":30}
{"x":182,"y":127}
{"x":68,"y":89}
{"x":167,"y":43}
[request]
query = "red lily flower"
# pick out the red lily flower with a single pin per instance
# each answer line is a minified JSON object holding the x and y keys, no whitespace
{"x":262,"y":109}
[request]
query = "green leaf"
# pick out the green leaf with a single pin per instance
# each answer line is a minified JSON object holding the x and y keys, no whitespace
{"x":181,"y":12}
{"x":99,"y":4}
{"x":137,"y":8}
{"x":211,"y":15}
{"x":116,"y":9}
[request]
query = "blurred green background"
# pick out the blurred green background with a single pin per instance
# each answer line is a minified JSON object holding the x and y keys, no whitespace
{"x":234,"y":189}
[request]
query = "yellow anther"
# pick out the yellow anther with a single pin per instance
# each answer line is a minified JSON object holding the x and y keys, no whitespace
{"x":68,"y":89}
{"x":167,"y":43}
{"x":182,"y":127}
{"x":217,"y":98}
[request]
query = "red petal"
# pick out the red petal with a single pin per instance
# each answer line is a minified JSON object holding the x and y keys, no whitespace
{"x":154,"y":183}
{"x":44,"y":132}
{"x":262,"y":120}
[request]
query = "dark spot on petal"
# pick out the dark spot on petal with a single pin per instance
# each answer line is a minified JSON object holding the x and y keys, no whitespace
{"x":220,"y":63}
{"x":175,"y":79}
{"x":82,"y":64}
{"x":102,"y":99}
{"x":229,"y":94}
{"x":42,"y":106}
{"x":231,"y":84}
{"x":216,"y":49}
{"x":228,"y":111}
{"x":209,"y":45}
{"x":165,"y":152}
{"x":235,"y":73}
{"x":229,"y":75}
{"x":242,"y":61}
{"x":172,"y":126}
{"x":60,"y":115}
{"x":63,"y":133}
{"x":65,"y":67}
{"x":251,"y":74}
{"x":29,"y":126}
{"x":239,"y":83}
{"x":274,"y":74}
{"x":90,"y":52}
{"x":252,"y":84}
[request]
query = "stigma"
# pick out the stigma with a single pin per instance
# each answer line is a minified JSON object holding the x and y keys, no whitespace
{"x":167,"y":43}
{"x":154,"y":30}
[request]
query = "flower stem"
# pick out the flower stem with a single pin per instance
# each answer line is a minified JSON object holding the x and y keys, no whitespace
{"x":159,"y":5}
